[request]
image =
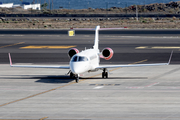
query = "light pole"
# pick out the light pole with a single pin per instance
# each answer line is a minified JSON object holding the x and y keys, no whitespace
{"x":136,"y":13}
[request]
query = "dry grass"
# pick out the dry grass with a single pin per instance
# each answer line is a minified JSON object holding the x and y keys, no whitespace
{"x":51,"y":24}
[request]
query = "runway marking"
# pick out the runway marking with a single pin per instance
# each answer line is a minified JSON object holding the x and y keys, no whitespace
{"x":104,"y":84}
{"x":152,"y":84}
{"x":11,"y":45}
{"x":166,"y":37}
{"x":43,"y":118}
{"x":143,"y":86}
{"x":158,"y":47}
{"x":59,"y":87}
{"x":174,"y":87}
{"x":18,"y":35}
{"x":98,"y":87}
{"x":142,"y":47}
{"x":47,"y":47}
{"x":135,"y":87}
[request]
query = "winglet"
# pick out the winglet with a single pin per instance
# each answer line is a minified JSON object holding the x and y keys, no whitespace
{"x":10,"y":59}
{"x":170,"y":57}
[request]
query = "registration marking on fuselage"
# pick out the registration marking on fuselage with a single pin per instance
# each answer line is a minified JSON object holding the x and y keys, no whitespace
{"x":47,"y":47}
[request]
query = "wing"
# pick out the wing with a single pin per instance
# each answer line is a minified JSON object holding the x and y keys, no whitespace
{"x":135,"y":65}
{"x":37,"y":66}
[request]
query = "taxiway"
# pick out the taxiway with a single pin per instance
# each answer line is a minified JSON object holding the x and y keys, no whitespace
{"x":143,"y":93}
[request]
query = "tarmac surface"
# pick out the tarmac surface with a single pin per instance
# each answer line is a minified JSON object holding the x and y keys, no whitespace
{"x":144,"y":93}
{"x":122,"y":32}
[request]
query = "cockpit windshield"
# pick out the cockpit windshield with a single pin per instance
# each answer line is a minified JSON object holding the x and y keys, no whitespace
{"x":82,"y":59}
{"x":74,"y":59}
{"x":79,"y":59}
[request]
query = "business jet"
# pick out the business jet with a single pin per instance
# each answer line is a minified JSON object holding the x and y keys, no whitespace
{"x":88,"y":60}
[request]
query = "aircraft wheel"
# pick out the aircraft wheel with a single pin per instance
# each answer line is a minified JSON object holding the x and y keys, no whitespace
{"x":106,"y":74}
{"x":103,"y":74}
{"x":71,"y":75}
{"x":77,"y":79}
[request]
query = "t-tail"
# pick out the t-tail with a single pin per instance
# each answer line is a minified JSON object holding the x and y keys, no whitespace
{"x":96,"y":40}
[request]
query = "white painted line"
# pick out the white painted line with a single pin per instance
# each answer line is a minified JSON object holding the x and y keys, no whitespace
{"x":150,"y":36}
{"x":17,"y":35}
{"x":174,"y":87}
{"x":143,"y":86}
{"x":152,"y":84}
{"x":158,"y":47}
{"x":135,"y":87}
{"x":98,"y":87}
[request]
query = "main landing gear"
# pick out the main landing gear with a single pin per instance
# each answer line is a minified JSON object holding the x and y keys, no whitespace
{"x":104,"y":73}
{"x":77,"y":78}
{"x":74,"y":76}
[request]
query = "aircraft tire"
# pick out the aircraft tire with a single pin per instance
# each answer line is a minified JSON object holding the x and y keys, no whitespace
{"x":106,"y":74}
{"x":71,"y":75}
{"x":77,"y":79}
{"x":103,"y":74}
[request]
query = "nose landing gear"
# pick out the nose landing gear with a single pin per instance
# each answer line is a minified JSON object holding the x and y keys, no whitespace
{"x":104,"y":73}
{"x":77,"y":78}
{"x":74,"y":76}
{"x":71,"y":75}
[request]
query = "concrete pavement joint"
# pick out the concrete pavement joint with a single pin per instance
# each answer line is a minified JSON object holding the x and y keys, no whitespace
{"x":136,"y":87}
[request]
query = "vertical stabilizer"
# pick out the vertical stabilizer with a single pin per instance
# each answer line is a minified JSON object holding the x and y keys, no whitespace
{"x":96,"y":41}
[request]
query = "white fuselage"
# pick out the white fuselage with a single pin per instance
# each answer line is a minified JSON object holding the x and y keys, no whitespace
{"x":85,"y":61}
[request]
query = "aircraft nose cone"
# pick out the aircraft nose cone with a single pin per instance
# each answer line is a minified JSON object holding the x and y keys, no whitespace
{"x":78,"y":68}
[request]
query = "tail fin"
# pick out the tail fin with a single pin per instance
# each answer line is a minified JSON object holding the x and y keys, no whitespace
{"x":96,"y":40}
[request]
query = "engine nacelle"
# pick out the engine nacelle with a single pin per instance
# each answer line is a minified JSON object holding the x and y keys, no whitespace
{"x":72,"y":52}
{"x":107,"y":53}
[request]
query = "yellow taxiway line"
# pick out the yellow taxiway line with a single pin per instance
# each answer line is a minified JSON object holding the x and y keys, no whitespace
{"x":158,"y":47}
{"x":11,"y":45}
{"x":47,"y":47}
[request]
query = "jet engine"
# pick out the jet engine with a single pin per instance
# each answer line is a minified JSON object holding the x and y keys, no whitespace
{"x":107,"y":53}
{"x":72,"y":52}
